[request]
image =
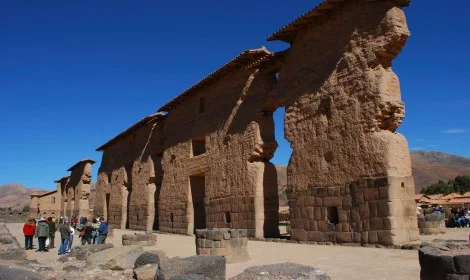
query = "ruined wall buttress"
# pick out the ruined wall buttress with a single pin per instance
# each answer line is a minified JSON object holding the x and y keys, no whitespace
{"x":343,"y":107}
{"x":127,"y":183}
{"x":239,"y":141}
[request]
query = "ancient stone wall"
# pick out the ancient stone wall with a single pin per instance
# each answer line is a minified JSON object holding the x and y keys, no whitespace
{"x":229,"y":243}
{"x":238,"y":137}
{"x":431,"y":224}
{"x":129,"y":180}
{"x":64,"y":199}
{"x":449,"y":261}
{"x":205,"y":164}
{"x":45,"y":205}
{"x":139,"y":239}
{"x":78,"y":189}
{"x":13,"y":216}
{"x":343,"y":107}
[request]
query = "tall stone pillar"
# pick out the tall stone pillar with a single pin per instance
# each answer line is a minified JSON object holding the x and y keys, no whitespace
{"x":80,"y":181}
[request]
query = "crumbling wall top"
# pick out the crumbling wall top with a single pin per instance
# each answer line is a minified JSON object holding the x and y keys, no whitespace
{"x":157,"y":117}
{"x":318,"y":14}
{"x":244,"y":59}
{"x":65,"y":178}
{"x":83,"y":161}
{"x":42,"y":194}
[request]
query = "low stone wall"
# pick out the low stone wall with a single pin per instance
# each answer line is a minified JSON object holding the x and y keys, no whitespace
{"x":13,"y":216}
{"x":139,"y":239}
{"x":431,"y":224}
{"x":229,"y":243}
{"x":445,"y":262}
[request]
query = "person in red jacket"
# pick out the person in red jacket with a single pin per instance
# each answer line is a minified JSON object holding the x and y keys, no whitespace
{"x":28,"y":230}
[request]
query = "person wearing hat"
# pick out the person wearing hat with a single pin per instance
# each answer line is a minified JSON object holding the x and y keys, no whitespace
{"x":42,"y":232}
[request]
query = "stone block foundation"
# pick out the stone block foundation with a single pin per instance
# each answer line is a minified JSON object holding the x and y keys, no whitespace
{"x":229,"y":243}
{"x":431,"y":224}
{"x":441,"y":262}
{"x":369,"y":211}
{"x":139,"y":239}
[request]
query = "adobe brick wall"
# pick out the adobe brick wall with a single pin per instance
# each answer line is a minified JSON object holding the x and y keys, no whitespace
{"x":43,"y":206}
{"x":131,"y":163}
{"x":229,"y":243}
{"x":343,"y":106}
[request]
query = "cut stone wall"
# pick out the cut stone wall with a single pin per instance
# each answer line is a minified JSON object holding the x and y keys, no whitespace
{"x":229,"y":243}
{"x":431,"y":224}
{"x":444,"y":262}
{"x":139,"y":239}
{"x":362,"y":210}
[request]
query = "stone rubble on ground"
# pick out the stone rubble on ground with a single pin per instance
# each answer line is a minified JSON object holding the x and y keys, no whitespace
{"x":282,"y":271}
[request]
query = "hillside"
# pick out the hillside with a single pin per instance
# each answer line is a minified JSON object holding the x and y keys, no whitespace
{"x":16,"y":196}
{"x":430,"y":167}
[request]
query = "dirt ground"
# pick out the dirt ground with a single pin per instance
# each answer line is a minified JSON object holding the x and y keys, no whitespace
{"x":339,"y":262}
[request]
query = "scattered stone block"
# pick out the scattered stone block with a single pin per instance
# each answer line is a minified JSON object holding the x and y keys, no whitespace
{"x":145,"y":272}
{"x":441,"y":262}
{"x":118,"y":258}
{"x":14,"y":273}
{"x":82,"y":252}
{"x":282,"y":271}
{"x":150,"y":257}
{"x":229,"y":243}
{"x":211,"y":267}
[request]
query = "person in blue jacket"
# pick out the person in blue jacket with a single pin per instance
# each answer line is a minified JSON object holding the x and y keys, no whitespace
{"x":103,"y":231}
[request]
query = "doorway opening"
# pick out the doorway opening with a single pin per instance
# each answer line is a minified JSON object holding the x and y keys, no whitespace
{"x":198,"y":191}
{"x":108,"y":196}
{"x":128,"y":208}
{"x":157,"y":180}
{"x":281,"y":160}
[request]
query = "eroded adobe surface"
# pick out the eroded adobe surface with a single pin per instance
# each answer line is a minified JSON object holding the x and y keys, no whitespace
{"x":343,"y":106}
{"x":204,"y":161}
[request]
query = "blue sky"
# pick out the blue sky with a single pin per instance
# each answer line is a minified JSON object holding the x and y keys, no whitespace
{"x":73,"y":74}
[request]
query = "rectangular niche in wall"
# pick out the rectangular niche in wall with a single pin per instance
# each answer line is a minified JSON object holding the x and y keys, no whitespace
{"x":198,"y":146}
{"x":332,"y":214}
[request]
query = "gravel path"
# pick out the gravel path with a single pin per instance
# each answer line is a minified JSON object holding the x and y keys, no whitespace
{"x":337,"y":261}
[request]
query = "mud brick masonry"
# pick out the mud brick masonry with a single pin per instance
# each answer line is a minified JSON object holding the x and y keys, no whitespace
{"x":203,"y":159}
{"x":71,"y":196}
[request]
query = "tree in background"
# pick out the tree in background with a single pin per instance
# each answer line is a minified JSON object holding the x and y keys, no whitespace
{"x":26,"y":208}
{"x":461,"y":184}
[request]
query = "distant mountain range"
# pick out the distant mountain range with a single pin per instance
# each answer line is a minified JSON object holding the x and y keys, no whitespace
{"x":428,"y":168}
{"x":16,"y":196}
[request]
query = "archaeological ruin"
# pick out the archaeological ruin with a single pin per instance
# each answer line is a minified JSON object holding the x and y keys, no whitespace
{"x":203,"y":159}
{"x":70,"y":197}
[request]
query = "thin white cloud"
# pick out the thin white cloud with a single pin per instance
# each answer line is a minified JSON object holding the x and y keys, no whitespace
{"x":416,"y":148}
{"x":455,"y":131}
{"x":420,"y":140}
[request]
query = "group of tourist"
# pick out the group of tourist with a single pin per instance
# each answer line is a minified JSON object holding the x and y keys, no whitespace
{"x":461,"y":216}
{"x":94,"y":232}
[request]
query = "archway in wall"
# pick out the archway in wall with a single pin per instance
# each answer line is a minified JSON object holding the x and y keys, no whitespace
{"x":281,"y":160}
